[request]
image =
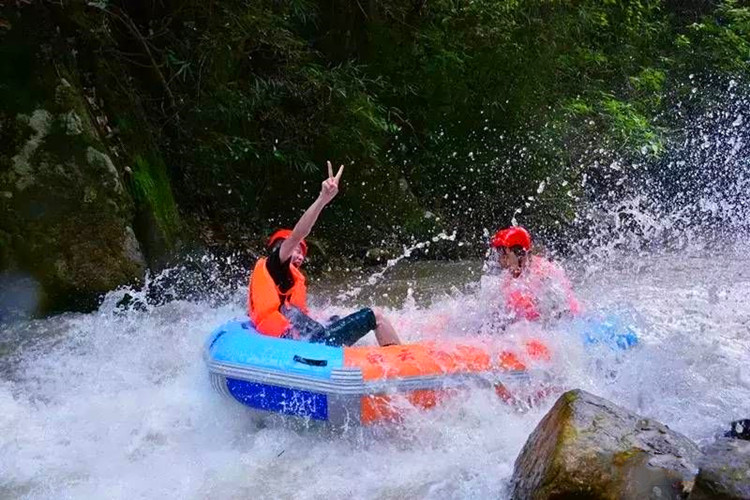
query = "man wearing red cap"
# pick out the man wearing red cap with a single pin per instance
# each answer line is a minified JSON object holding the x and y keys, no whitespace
{"x":277,"y":294}
{"x":534,"y":288}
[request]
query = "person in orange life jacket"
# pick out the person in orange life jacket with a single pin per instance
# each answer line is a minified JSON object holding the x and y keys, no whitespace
{"x":277,"y":301}
{"x":534,"y":288}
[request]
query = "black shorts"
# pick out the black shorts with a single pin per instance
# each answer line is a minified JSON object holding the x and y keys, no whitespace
{"x":342,"y":332}
{"x":347,"y":330}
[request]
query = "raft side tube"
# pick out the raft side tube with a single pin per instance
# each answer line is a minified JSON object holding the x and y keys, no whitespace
{"x":237,"y":343}
{"x":342,"y":386}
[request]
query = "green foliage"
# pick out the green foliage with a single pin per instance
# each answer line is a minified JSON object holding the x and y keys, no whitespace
{"x":151,"y":187}
{"x":19,"y":88}
{"x":262,"y":108}
{"x":486,"y":108}
{"x":470,"y":77}
{"x":628,"y":124}
{"x":720,"y":42}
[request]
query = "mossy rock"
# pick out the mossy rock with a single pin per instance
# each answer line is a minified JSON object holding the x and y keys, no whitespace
{"x":157,"y":221}
{"x":588,"y":447}
{"x":65,"y":215}
{"x":724,"y":471}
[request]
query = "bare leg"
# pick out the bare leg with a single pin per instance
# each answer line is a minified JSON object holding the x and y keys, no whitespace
{"x":384,"y":332}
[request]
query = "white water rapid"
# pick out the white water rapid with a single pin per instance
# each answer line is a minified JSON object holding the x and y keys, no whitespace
{"x":117,"y":404}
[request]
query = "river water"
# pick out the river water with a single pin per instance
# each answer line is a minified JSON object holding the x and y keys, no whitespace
{"x":117,"y":404}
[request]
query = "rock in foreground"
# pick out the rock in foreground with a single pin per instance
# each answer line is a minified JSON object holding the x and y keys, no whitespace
{"x":740,"y":430}
{"x":724,"y":471}
{"x":588,"y":447}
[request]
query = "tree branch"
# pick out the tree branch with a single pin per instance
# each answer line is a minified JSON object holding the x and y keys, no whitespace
{"x":121,"y":16}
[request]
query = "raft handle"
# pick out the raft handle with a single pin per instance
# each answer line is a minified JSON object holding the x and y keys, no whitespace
{"x":311,"y":362}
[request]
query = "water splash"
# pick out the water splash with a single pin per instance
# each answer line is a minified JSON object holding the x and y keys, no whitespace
{"x":691,"y":197}
{"x":96,"y":402}
{"x":376,"y":277}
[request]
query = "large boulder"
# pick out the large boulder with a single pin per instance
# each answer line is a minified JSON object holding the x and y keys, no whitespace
{"x":65,"y":214}
{"x":588,"y":447}
{"x":724,"y":471}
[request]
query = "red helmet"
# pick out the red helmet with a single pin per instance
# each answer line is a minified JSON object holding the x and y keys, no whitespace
{"x":512,"y":236}
{"x":283,"y":234}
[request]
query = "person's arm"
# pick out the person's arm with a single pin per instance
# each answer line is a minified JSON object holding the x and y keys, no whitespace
{"x":328,"y":191}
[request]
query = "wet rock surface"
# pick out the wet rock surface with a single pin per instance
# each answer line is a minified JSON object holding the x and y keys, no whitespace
{"x":740,"y":429}
{"x":65,"y":214}
{"x":724,"y":471}
{"x":588,"y":447}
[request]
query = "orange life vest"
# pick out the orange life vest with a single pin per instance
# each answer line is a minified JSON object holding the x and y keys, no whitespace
{"x":522,"y":294}
{"x":264,"y":299}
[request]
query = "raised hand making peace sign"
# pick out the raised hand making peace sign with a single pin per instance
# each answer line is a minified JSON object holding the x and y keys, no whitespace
{"x":330,"y":186}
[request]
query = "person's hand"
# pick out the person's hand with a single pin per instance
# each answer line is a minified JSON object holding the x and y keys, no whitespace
{"x":330,"y":186}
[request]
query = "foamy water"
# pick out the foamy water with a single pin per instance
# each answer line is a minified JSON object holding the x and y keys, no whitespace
{"x":117,"y":403}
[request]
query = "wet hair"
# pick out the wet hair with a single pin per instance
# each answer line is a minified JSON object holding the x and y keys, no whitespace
{"x":276,"y":245}
{"x":516,"y":249}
